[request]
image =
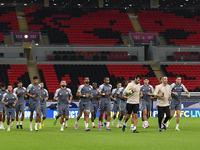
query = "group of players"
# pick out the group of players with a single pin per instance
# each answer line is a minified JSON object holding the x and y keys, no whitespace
{"x":126,"y":97}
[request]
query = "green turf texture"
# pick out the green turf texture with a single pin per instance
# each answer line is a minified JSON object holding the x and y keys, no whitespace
{"x":50,"y":137}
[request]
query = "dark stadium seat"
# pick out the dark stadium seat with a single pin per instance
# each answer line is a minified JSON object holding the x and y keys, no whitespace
{"x":65,"y":57}
{"x":134,"y":58}
{"x":57,"y":57}
{"x":79,"y":26}
{"x":170,"y":58}
{"x":189,"y":73}
{"x":73,"y":57}
{"x":96,"y":58}
{"x":73,"y":74}
{"x":173,"y":24}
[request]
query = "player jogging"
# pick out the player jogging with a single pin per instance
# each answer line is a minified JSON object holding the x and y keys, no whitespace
{"x":20,"y":106}
{"x":105,"y":104}
{"x":147,"y":90}
{"x":2,"y":106}
{"x":44,"y":96}
{"x":33,"y":91}
{"x":94,"y":103}
{"x":85,"y":94}
{"x":10,"y":99}
{"x":64,"y":97}
{"x":122,"y":102}
{"x":133,"y":91}
{"x":163,"y":93}
{"x":175,"y":104}
{"x":116,"y":99}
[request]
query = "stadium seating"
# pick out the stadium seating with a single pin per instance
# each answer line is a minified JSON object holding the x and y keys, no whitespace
{"x":190,"y":75}
{"x":10,"y":74}
{"x":91,"y":56}
{"x":178,"y":26}
{"x":78,"y":26}
{"x":51,"y":75}
{"x":184,"y":56}
{"x":8,"y":21}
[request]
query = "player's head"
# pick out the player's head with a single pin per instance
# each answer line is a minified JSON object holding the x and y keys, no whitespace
{"x":124,"y":83}
{"x":131,"y":79}
{"x":86,"y":80}
{"x":35,"y":79}
{"x":10,"y":88}
{"x":164,"y":80}
{"x":94,"y":85}
{"x":106,"y":80}
{"x":146,"y":80}
{"x":63,"y":83}
{"x":138,"y":78}
{"x":178,"y":79}
{"x":42,"y":85}
{"x":119,"y":84}
{"x":160,"y":80}
{"x":3,"y":86}
{"x":19,"y":84}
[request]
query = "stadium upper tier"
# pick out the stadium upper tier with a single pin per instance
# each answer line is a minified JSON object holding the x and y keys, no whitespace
{"x":8,"y":21}
{"x":79,"y":26}
{"x":178,"y":26}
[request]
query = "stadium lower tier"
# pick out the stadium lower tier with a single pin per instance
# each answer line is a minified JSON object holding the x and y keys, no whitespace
{"x":190,"y":75}
{"x":51,"y":75}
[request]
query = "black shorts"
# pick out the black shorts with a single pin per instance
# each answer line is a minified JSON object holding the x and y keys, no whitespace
{"x":132,"y":108}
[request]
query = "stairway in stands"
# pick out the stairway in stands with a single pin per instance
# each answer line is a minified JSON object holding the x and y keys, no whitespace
{"x":135,"y":22}
{"x":156,"y":69}
{"x":32,"y":69}
{"x":23,"y":26}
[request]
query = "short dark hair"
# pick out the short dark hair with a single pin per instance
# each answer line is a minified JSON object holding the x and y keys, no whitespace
{"x":178,"y":77}
{"x":94,"y":83}
{"x":19,"y":81}
{"x":35,"y":77}
{"x":160,"y":78}
{"x":123,"y":82}
{"x":118,"y":82}
{"x":163,"y":77}
{"x":10,"y":85}
{"x":138,"y":76}
{"x":3,"y":85}
{"x":41,"y":82}
{"x":106,"y":77}
{"x":85,"y":78}
{"x":146,"y":78}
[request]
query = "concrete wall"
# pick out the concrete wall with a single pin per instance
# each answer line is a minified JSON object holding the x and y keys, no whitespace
{"x":38,"y":51}
{"x":12,"y":49}
{"x":13,"y":61}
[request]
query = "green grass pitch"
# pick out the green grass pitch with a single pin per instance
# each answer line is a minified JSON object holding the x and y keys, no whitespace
{"x":50,"y":137}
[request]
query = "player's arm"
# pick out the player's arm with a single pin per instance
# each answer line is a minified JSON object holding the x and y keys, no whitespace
{"x":124,"y":97}
{"x":16,"y":92}
{"x":91,"y":96}
{"x":28,"y":90}
{"x":70,"y":97}
{"x":56,"y":95}
{"x":186,"y":91}
{"x":151,"y":91}
{"x":16,"y":100}
{"x":112,"y":95}
{"x":3,"y":98}
{"x":129,"y":89}
{"x":78,"y":94}
{"x":100,"y":91}
{"x":156,"y":92}
{"x":170,"y":94}
{"x":47,"y":95}
{"x":25,"y":92}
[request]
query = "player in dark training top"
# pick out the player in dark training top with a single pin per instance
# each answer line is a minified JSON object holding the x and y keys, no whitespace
{"x":20,"y":106}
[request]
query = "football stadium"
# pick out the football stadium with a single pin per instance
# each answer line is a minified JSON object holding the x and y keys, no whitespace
{"x":99,"y":74}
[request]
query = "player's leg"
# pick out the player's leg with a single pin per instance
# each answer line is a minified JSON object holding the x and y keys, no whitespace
{"x":167,"y":112}
{"x":58,"y":116}
{"x":66,"y":116}
{"x":135,"y":116}
{"x":12,"y":114}
{"x":22,"y":119}
{"x":108,"y":114}
{"x":144,"y":115}
{"x":115,"y":109}
{"x":86,"y":113}
{"x":40,"y":124}
{"x":79,"y":116}
{"x":172,"y":111}
{"x":4,"y":116}
{"x":132,"y":122}
{"x":160,"y":117}
{"x":1,"y":119}
{"x":93,"y":114}
{"x":37,"y":119}
{"x":17,"y":115}
{"x":178,"y":113}
{"x":61,"y":122}
{"x":8,"y":120}
{"x":31,"y":119}
{"x":101,"y":110}
{"x":127,"y":116}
